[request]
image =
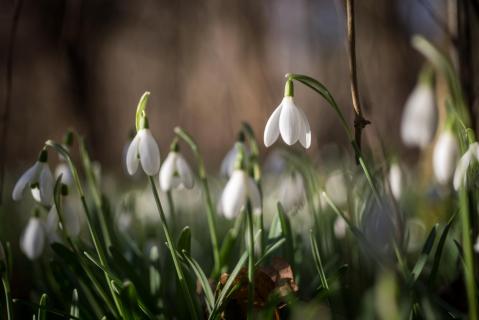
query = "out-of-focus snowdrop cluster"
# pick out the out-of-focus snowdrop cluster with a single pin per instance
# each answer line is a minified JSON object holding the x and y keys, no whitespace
{"x":336,"y":187}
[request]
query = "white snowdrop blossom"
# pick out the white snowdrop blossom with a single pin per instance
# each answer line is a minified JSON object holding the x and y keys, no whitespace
{"x":460,"y":174}
{"x":291,"y":192}
{"x":39,"y":179}
{"x":64,"y":170}
{"x":419,"y":117}
{"x":143,"y":149}
{"x":33,"y":238}
{"x":228,"y":163}
{"x":289,"y":121}
{"x":445,"y":157}
{"x":396,"y":180}
{"x":340,"y":227}
{"x":239,"y":189}
{"x":176,"y":173}
{"x":476,"y":245}
{"x":70,"y":219}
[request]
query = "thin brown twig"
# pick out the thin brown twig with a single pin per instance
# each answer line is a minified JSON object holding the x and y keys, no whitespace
{"x":8,"y":93}
{"x":359,"y":121}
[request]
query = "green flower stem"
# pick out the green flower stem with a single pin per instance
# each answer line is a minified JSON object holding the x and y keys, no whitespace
{"x":210,"y":211}
{"x":172,"y":248}
{"x":8,"y":295}
{"x":256,"y":168}
{"x":94,"y":189}
{"x":468,"y":255}
{"x":96,"y":242}
{"x":171,"y":206}
{"x":250,"y":263}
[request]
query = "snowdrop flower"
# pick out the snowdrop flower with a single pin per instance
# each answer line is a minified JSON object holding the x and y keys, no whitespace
{"x":33,"y":238}
{"x":419,"y":118}
{"x":143,"y":149}
{"x":39,"y":179}
{"x":64,"y":170}
{"x":228,"y":163}
{"x":238,"y":190}
{"x":460,"y":174}
{"x":291,"y":191}
{"x":175,"y":171}
{"x":445,"y":157}
{"x":396,"y":180}
{"x":289,"y":121}
{"x":71,"y":220}
{"x":340,"y":227}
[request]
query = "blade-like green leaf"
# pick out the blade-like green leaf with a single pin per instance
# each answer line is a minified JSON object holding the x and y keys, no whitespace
{"x":209,"y":296}
{"x":184,"y":240}
{"x":426,"y":250}
{"x":317,"y":261}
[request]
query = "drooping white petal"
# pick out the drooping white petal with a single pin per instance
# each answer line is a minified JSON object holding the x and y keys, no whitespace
{"x":149,"y":153}
{"x":132,"y":159}
{"x":25,"y":180}
{"x":52,"y":220}
{"x":228,"y":163}
{"x":419,"y":118}
{"x":46,"y":184}
{"x":234,"y":195}
{"x":396,"y":180}
{"x":289,"y":121}
{"x":271,"y":131}
{"x":254,"y":195}
{"x":64,"y":170}
{"x":340,"y":227}
{"x":167,"y":171}
{"x":33,"y":239}
{"x":305,"y":135}
{"x":460,"y":175}
{"x":476,"y":245}
{"x":185,"y":172}
{"x":291,"y":192}
{"x":445,"y":157}
{"x":71,"y":220}
{"x":337,"y":188}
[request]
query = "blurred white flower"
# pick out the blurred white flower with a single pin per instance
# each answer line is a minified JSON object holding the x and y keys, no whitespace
{"x":445,"y":156}
{"x":70,"y":218}
{"x":40,"y":180}
{"x":143,"y":149}
{"x":239,"y":189}
{"x":419,"y":117}
{"x":176,"y":173}
{"x":340,"y":227}
{"x":336,"y":188}
{"x":396,"y":180}
{"x":228,"y":163}
{"x":460,"y":174}
{"x":64,"y":170}
{"x":291,"y":191}
{"x":32,"y":239}
{"x":289,"y":121}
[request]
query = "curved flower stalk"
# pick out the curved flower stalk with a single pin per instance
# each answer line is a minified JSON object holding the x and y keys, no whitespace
{"x":292,"y":191}
{"x":143,"y":148}
{"x":289,"y":121}
{"x":460,"y":174}
{"x":419,"y":119}
{"x":32,"y":239}
{"x":396,"y":180}
{"x":239,"y":189}
{"x":445,"y":157}
{"x":39,"y":179}
{"x":175,"y":171}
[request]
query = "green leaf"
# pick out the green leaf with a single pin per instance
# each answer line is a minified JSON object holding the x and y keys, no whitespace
{"x":98,"y":264}
{"x":317,"y":260}
{"x":426,"y":250}
{"x":440,"y":247}
{"x":286,"y":232}
{"x":200,"y":275}
{"x":184,"y":240}
{"x":270,"y":249}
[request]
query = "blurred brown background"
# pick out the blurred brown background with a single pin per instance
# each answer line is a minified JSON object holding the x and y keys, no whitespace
{"x":209,"y":64}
